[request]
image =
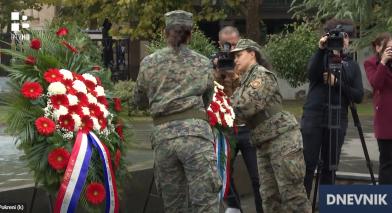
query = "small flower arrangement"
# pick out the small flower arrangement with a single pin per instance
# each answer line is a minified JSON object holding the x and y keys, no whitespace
{"x":220,"y":112}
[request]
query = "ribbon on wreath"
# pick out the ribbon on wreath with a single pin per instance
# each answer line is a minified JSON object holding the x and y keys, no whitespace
{"x":76,"y":173}
{"x":222,"y":153}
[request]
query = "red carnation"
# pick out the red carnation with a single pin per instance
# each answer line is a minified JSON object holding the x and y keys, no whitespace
{"x":83,"y":100}
{"x":102,"y":122}
{"x":62,"y":31}
{"x":67,"y":122}
{"x":30,"y":60}
{"x":117,"y":158}
{"x":214,"y":106}
{"x":69,"y":46}
{"x":95,"y":193}
{"x":119,"y":130}
{"x":78,"y":76}
{"x":102,"y":100}
{"x":68,"y":83}
{"x":222,"y":117}
{"x":87,"y":124}
{"x":213,"y":118}
{"x":59,"y":100}
{"x":35,"y":43}
{"x":117,"y":104}
{"x":31,"y":90}
{"x":58,"y":158}
{"x":45,"y":126}
{"x":53,"y":75}
{"x":99,"y":82}
{"x":95,"y":110}
{"x":75,"y":109}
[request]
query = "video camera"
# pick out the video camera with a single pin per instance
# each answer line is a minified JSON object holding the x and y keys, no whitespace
{"x":225,"y":58}
{"x":335,"y":38}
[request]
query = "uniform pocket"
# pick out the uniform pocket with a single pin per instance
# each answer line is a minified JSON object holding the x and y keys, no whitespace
{"x":213,"y":176}
{"x":293,"y":158}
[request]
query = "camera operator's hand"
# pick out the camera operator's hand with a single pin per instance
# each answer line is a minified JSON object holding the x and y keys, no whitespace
{"x":331,"y":80}
{"x":386,"y":55}
{"x":323,"y":42}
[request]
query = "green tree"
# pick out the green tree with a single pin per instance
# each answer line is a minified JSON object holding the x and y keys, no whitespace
{"x":8,"y":6}
{"x":372,"y":16}
{"x":289,"y":52}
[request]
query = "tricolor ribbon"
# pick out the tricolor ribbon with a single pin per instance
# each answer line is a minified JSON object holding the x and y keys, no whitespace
{"x":222,"y":153}
{"x":76,"y":173}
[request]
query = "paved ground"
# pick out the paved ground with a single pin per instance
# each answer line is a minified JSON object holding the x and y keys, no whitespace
{"x":13,"y":172}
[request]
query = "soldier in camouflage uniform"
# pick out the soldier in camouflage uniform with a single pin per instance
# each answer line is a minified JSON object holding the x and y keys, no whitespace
{"x":176,"y":83}
{"x":274,"y":132}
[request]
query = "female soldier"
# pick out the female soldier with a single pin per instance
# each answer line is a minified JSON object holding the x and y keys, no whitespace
{"x":274,"y":132}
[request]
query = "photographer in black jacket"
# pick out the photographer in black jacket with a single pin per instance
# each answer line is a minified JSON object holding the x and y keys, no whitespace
{"x":314,"y":123}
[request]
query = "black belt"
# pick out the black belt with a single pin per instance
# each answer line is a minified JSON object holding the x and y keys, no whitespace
{"x":187,"y":114}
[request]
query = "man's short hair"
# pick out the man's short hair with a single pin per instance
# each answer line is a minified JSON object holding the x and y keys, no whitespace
{"x":228,"y":30}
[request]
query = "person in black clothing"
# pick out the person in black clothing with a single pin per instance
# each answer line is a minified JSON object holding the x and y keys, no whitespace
{"x":314,"y":123}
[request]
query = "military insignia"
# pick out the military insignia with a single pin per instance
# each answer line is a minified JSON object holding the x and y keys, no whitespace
{"x":256,"y":83}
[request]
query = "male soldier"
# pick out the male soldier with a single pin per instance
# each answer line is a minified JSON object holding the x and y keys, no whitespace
{"x":274,"y":131}
{"x":176,"y":84}
{"x":230,"y":80}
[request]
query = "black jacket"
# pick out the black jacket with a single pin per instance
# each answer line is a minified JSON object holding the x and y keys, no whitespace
{"x":317,"y":100}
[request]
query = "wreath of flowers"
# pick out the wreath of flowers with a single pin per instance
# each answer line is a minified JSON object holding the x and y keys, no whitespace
{"x":220,"y":112}
{"x":48,"y":104}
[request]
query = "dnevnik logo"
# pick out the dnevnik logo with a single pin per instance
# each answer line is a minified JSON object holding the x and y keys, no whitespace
{"x":19,"y":22}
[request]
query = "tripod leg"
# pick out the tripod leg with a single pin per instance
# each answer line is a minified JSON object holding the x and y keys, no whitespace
{"x":33,"y":197}
{"x":316,"y":185}
{"x":148,"y":193}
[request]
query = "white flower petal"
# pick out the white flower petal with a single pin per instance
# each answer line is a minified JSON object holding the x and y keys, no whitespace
{"x":57,"y":88}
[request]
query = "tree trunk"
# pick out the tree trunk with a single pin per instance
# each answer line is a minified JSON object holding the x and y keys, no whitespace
{"x":253,"y":20}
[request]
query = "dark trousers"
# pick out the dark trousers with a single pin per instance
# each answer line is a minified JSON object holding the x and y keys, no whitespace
{"x":315,"y":139}
{"x":385,"y":170}
{"x":248,"y":152}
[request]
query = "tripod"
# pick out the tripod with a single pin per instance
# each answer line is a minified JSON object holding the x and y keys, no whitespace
{"x":333,"y":63}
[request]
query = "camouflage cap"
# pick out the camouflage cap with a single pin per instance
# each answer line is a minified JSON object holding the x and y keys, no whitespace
{"x":244,"y":44}
{"x":179,"y":17}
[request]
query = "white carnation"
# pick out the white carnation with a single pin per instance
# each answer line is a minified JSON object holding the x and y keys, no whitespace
{"x":90,"y":77}
{"x":100,"y":91}
{"x":86,"y":110}
{"x":79,"y":86}
{"x":59,"y":112}
{"x":91,"y":99}
{"x":72,"y":99}
{"x":96,"y":125}
{"x":77,"y":120}
{"x":103,"y":109}
{"x":229,"y":120}
{"x":67,"y":74}
{"x":56,"y":88}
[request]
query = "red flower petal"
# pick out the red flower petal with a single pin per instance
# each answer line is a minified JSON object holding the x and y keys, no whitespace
{"x":31,"y":90}
{"x":212,"y":118}
{"x":45,"y":126}
{"x":58,"y":158}
{"x":117,"y":158}
{"x":117,"y":104}
{"x":95,"y":193}
{"x":102,"y":100}
{"x":59,"y":100}
{"x":62,"y":31}
{"x":87,"y":124}
{"x":35,"y":44}
{"x":67,"y":122}
{"x":69,"y":46}
{"x":119,"y":130}
{"x":30,"y":60}
{"x":53,"y":75}
{"x":95,"y":110}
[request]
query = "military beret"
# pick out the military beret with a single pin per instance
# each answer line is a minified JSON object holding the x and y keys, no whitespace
{"x":179,"y":17}
{"x":244,"y":44}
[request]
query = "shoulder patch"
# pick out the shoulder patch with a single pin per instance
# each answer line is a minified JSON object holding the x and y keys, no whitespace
{"x":256,"y":83}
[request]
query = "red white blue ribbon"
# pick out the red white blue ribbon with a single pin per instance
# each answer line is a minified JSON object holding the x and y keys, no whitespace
{"x":222,"y":153}
{"x":76,"y":173}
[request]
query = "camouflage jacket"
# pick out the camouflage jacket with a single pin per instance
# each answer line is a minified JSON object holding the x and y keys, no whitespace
{"x":170,"y":82}
{"x":259,"y":91}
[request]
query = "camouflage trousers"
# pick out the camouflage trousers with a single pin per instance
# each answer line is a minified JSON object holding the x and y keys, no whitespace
{"x":282,"y":169}
{"x":185,"y":174}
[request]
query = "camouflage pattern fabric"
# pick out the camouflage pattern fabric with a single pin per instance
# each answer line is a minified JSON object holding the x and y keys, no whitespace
{"x":278,"y":140}
{"x":179,"y":17}
{"x":282,"y":169}
{"x":170,"y":82}
{"x":259,"y":90}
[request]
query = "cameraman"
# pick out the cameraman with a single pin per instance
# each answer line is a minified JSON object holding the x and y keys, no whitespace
{"x":314,"y":123}
{"x":230,"y":80}
{"x":379,"y":72}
